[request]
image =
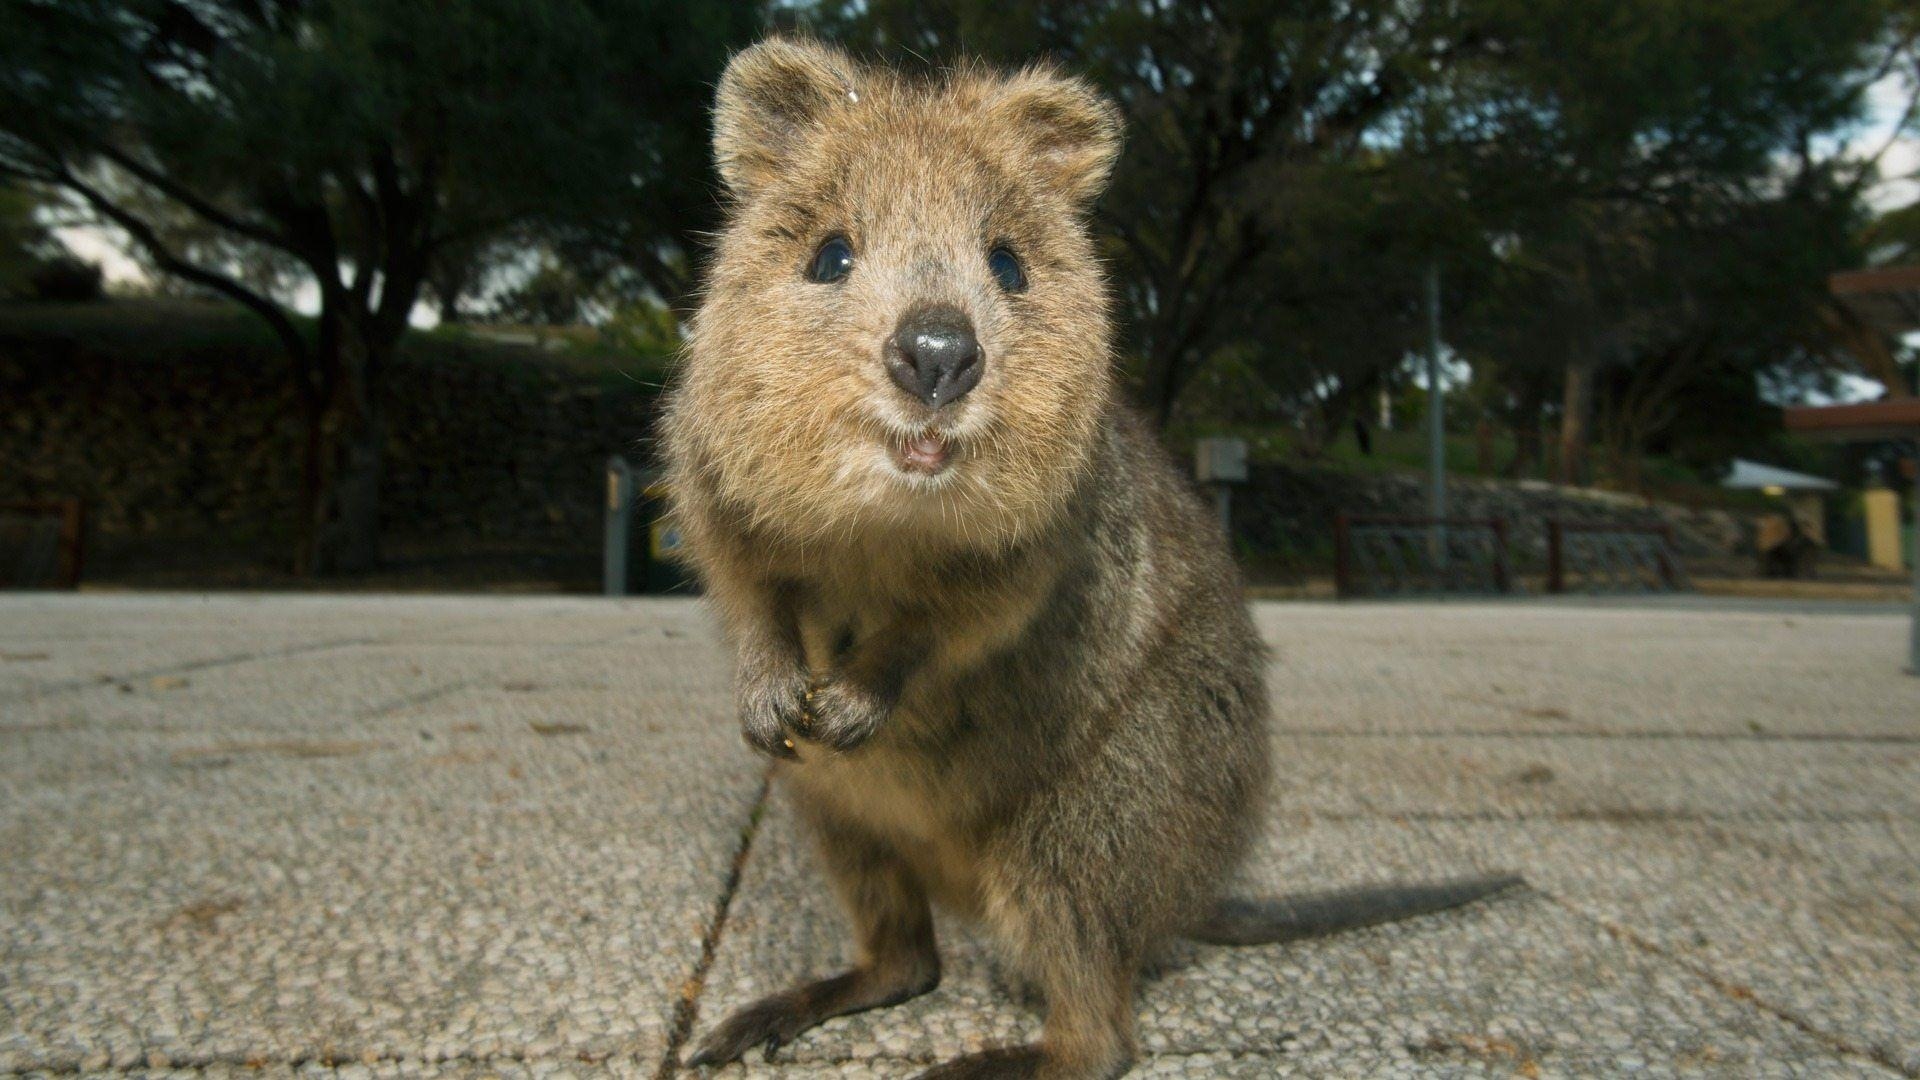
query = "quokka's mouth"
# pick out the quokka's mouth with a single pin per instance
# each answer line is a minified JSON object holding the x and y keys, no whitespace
{"x":926,"y":453}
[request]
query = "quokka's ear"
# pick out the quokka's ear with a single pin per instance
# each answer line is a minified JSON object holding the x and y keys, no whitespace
{"x":770,"y":99}
{"x":1072,"y":129}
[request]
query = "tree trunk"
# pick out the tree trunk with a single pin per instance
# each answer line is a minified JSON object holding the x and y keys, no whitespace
{"x":1160,"y":387}
{"x":340,"y":511}
{"x":1528,"y":453}
{"x":1576,"y":423}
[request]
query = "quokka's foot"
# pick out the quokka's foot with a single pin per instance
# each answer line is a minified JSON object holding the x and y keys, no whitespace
{"x":773,"y":711}
{"x":774,"y":1021}
{"x":1005,"y":1063}
{"x":842,"y":715}
{"x":769,"y":1024}
{"x":1023,"y":1063}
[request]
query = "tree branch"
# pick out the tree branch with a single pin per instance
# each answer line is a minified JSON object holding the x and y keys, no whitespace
{"x":170,"y":261}
{"x":200,"y":207}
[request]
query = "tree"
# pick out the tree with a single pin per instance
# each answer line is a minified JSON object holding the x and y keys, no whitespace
{"x":1668,"y":129}
{"x":1252,"y":129}
{"x":1893,"y":238}
{"x":34,"y":264}
{"x":1264,"y":135}
{"x":24,"y":243}
{"x":552,"y":294}
{"x":1662,"y":323}
{"x":362,"y":140}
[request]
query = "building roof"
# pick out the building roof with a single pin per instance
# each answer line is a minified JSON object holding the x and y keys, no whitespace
{"x":1889,"y":418}
{"x":1886,"y":296}
{"x":1752,"y":475}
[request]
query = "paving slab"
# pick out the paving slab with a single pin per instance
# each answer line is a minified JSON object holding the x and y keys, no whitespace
{"x":265,"y":872}
{"x":52,"y":641}
{"x":1552,"y":669}
{"x":503,"y":1067}
{"x":1514,"y":987}
{"x":1816,"y":921}
{"x":365,"y":837}
{"x":1498,"y":776}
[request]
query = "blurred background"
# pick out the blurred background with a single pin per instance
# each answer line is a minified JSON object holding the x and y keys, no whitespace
{"x":356,"y":294}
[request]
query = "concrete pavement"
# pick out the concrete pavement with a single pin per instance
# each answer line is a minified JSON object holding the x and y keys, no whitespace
{"x":448,"y":836}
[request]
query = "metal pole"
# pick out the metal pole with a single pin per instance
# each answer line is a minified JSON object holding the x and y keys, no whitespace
{"x":619,"y":526}
{"x":1342,"y":556}
{"x":1223,"y":501}
{"x":1436,"y":427}
{"x":1913,"y":632}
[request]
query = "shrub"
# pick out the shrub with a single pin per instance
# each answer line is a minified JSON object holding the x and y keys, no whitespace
{"x":65,"y":280}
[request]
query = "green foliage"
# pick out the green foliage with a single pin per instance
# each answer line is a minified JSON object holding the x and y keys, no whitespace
{"x":552,"y":295}
{"x":361,"y":141}
{"x":1631,"y":189}
{"x":22,"y":240}
{"x":173,"y":331}
{"x":34,"y":265}
{"x":1894,"y":237}
{"x":645,"y":329}
{"x":65,"y":279}
{"x":310,"y":127}
{"x":1294,"y":165}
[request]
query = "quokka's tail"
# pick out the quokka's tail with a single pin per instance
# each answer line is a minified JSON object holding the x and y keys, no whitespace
{"x":1291,"y":918}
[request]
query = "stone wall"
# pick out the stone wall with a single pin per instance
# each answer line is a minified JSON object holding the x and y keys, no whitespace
{"x":209,"y":444}
{"x":1290,"y":510}
{"x":486,"y":445}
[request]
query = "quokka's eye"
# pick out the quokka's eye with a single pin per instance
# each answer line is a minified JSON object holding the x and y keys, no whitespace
{"x":1006,"y":269}
{"x":832,"y":262}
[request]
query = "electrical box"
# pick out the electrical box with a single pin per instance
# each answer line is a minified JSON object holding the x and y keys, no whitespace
{"x":1220,"y":461}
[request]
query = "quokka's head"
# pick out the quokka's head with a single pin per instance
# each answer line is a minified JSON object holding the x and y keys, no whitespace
{"x":905,"y":325}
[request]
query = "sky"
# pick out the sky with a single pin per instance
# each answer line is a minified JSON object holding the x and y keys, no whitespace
{"x":1898,"y":168}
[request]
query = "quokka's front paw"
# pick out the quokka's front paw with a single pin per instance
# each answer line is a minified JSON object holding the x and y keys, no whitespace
{"x":842,"y":715}
{"x":773,"y":710}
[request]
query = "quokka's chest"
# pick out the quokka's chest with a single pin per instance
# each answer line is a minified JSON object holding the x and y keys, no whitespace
{"x":909,"y":811}
{"x":831,"y":624}
{"x":960,"y":627}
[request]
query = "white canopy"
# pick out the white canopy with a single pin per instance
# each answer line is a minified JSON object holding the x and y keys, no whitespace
{"x":1752,"y":475}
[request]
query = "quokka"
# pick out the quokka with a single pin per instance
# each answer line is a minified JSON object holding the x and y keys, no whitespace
{"x":994,"y":641}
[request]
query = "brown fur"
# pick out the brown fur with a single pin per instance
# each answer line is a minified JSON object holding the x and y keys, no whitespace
{"x":1026,"y":688}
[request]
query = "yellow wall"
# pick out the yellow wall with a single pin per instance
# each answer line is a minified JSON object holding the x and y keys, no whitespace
{"x":1883,"y":529}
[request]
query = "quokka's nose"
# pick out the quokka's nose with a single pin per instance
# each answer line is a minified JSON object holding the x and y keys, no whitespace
{"x":934,"y":355}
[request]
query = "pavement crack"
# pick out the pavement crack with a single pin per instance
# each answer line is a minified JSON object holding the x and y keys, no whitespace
{"x":1603,"y":815}
{"x":1735,"y":990}
{"x":1869,"y":738}
{"x":256,"y":1062}
{"x":189,"y":666}
{"x":687,"y":1009}
{"x":408,"y":701}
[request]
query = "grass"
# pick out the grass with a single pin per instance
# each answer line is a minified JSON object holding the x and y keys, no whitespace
{"x":578,"y":351}
{"x":160,"y":330}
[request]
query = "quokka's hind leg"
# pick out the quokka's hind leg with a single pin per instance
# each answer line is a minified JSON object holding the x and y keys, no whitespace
{"x":1087,"y":975}
{"x":898,"y":960}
